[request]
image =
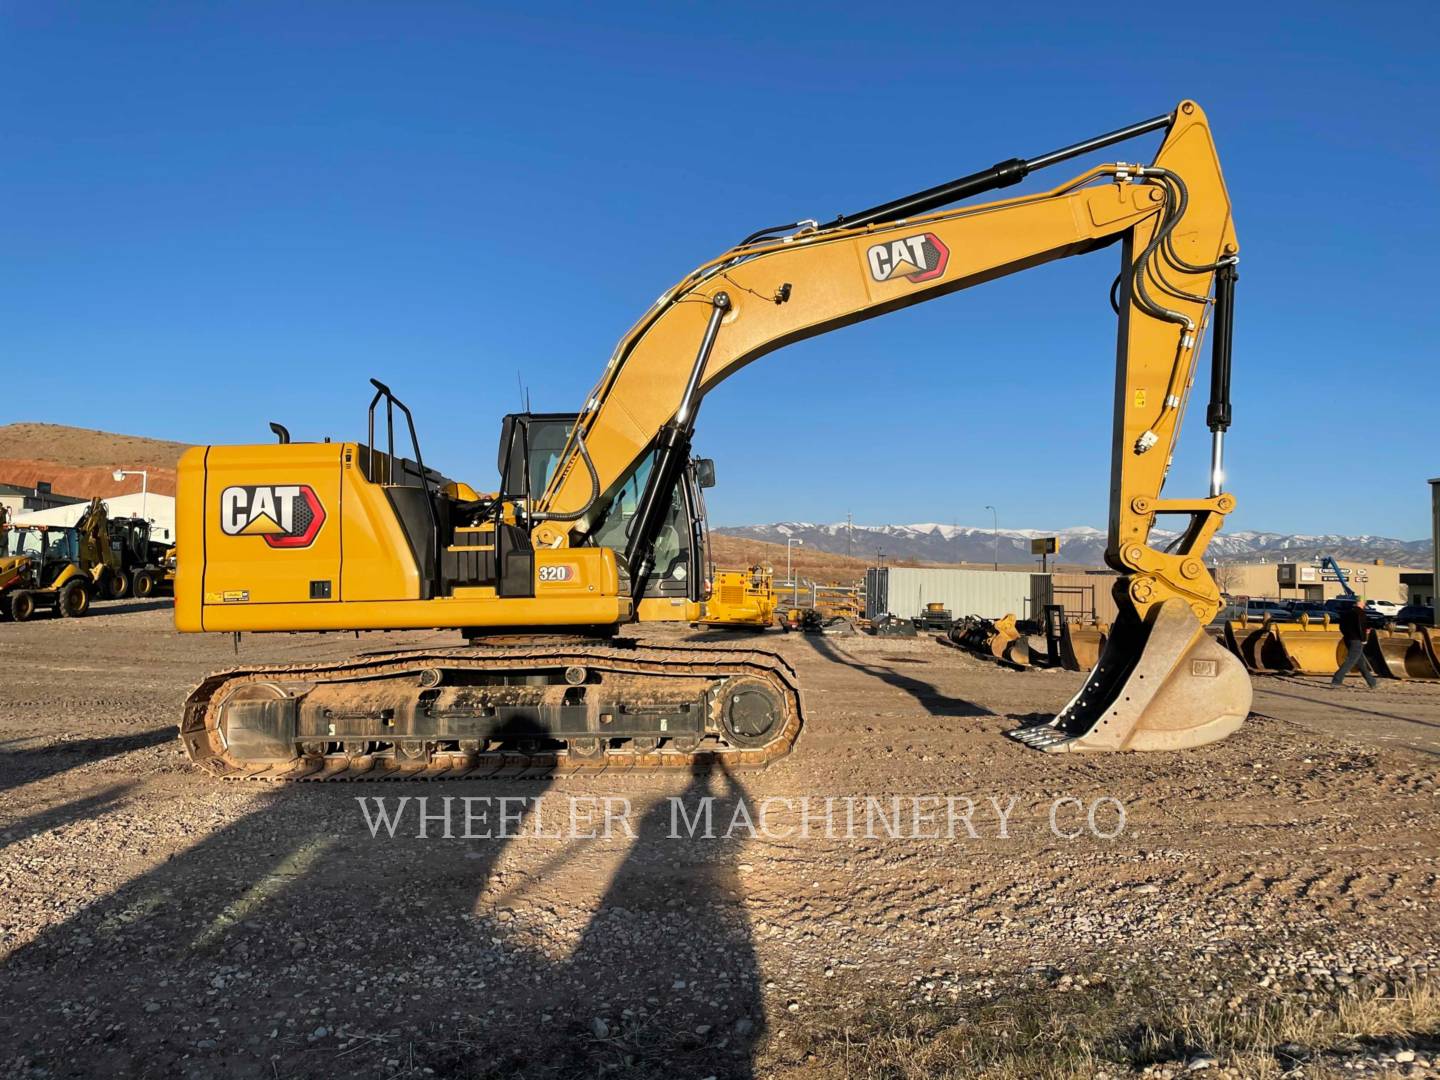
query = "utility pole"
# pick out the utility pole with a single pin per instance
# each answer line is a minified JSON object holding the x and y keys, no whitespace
{"x":994,"y":537}
{"x":849,"y":531}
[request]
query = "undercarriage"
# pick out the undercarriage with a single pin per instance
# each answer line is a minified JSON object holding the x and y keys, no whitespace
{"x":478,"y":710}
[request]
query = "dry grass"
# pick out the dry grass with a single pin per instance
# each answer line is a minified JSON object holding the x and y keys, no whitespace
{"x":1116,"y":1029}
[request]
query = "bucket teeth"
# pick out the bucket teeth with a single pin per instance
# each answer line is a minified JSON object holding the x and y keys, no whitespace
{"x":1179,"y":689}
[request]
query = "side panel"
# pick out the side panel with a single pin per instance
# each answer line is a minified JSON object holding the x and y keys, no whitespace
{"x":377,"y":562}
{"x":573,"y":587}
{"x":190,"y":540}
{"x":669,"y":609}
{"x":272,"y":524}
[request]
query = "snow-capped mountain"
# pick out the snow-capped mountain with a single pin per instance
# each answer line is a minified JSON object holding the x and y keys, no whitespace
{"x":1081,"y":545}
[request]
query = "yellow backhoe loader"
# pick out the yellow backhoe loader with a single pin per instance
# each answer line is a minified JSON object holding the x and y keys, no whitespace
{"x":59,"y":567}
{"x":541,"y":573}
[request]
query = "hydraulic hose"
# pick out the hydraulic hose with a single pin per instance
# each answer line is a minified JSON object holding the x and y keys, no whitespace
{"x":576,"y":515}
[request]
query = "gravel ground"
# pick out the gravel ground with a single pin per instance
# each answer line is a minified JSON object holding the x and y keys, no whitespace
{"x":158,"y":923}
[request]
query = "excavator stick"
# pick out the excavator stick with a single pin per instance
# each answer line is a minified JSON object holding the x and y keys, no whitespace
{"x":1401,"y":654}
{"x":1161,"y":684}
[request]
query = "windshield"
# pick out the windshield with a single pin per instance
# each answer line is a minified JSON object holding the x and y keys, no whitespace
{"x":672,"y":545}
{"x":48,"y":544}
{"x":24,"y":542}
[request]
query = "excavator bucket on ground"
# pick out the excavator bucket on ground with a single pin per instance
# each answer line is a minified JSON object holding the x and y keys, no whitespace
{"x":1309,"y":648}
{"x":1161,"y":684}
{"x":998,"y":639}
{"x":1082,"y":646}
{"x":1252,"y":643}
{"x":1008,"y":643}
{"x":1430,"y":638}
{"x":1401,"y":654}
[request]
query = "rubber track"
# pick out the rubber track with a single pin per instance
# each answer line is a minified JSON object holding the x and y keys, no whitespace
{"x":197,"y":723}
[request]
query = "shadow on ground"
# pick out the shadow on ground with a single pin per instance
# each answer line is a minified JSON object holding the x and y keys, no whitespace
{"x":292,"y":943}
{"x":33,"y":763}
{"x":925,"y":693}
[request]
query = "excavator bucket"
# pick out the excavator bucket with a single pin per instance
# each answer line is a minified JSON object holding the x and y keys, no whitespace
{"x":1008,"y":644}
{"x":1161,"y":684}
{"x":1252,"y":643}
{"x":1308,"y":648}
{"x":1430,"y":638}
{"x":1000,"y":639}
{"x":1082,"y":646}
{"x":1401,"y":654}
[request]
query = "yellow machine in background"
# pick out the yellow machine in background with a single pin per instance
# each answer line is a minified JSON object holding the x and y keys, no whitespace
{"x":59,"y":567}
{"x":592,"y":512}
{"x":741,"y":599}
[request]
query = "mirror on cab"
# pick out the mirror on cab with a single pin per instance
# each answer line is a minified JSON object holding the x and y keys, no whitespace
{"x":705,"y":472}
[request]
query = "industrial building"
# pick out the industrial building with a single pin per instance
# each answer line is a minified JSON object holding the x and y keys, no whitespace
{"x":19,"y":499}
{"x":1306,"y":581}
{"x":159,"y":510}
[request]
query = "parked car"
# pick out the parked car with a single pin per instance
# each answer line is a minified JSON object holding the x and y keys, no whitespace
{"x":1416,"y":614}
{"x":1341,"y":604}
{"x":1255,"y":609}
{"x":1388,"y":608}
{"x":1316,"y":609}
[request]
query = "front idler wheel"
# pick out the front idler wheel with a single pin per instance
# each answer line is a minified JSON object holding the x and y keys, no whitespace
{"x":750,"y":713}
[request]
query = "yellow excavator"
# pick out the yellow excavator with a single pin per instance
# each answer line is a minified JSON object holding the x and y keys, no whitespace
{"x":594,"y":509}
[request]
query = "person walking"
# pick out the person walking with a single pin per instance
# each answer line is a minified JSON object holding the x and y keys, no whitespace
{"x":1354,"y":631}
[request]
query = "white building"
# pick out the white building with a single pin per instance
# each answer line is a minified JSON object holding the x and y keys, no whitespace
{"x":159,"y":510}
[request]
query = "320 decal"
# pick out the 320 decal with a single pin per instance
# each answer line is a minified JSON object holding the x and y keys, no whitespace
{"x":286,"y":515}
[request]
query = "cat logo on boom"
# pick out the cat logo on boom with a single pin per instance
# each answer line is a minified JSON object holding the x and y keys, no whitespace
{"x":286,"y":515}
{"x":921,"y":257}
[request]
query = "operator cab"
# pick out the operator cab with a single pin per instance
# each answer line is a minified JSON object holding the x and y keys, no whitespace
{"x":50,"y":548}
{"x":531,"y":445}
{"x":459,"y":539}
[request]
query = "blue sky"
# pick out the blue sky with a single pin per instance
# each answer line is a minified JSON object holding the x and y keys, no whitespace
{"x":213,"y":215}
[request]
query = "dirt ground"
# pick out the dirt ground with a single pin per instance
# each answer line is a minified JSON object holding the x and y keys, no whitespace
{"x":154,"y":922}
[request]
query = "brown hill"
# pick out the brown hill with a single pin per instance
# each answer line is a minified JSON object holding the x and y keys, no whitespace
{"x":78,"y":461}
{"x":734,"y":553}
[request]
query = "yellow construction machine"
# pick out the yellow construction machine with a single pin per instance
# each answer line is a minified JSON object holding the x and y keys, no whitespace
{"x":541,"y":573}
{"x":740,"y":600}
{"x":59,"y":567}
{"x":1054,"y":641}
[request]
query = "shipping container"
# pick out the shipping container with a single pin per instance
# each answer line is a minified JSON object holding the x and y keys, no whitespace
{"x":1085,"y":597}
{"x":905,"y":590}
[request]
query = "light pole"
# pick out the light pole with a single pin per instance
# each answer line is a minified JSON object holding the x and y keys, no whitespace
{"x":794,"y":585}
{"x":994,"y":538}
{"x":120,"y":474}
